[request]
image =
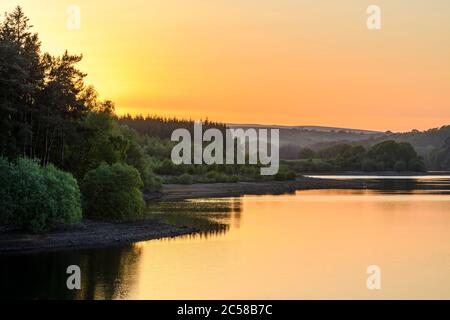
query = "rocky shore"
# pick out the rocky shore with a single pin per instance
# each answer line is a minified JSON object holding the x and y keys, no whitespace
{"x":88,"y":234}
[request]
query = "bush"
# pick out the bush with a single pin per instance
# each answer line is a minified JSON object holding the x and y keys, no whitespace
{"x":400,"y":166}
{"x":185,"y":178}
{"x":285,"y":175}
{"x":151,"y":182}
{"x":306,"y":153}
{"x":112,"y":192}
{"x":390,"y":152}
{"x":169,"y":168}
{"x":416,"y":165}
{"x":371,"y":165}
{"x":37,"y":199}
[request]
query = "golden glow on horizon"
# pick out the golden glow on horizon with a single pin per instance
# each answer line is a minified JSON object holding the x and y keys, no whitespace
{"x":272,"y":62}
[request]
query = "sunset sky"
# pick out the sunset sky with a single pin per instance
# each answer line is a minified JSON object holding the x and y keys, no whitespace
{"x":293,"y":62}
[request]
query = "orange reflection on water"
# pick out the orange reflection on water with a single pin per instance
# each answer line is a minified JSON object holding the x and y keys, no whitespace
{"x":314,"y":244}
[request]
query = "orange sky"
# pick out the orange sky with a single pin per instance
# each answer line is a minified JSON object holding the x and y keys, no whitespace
{"x":294,"y":62}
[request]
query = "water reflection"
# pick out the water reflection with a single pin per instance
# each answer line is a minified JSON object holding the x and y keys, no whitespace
{"x":109,"y":273}
{"x":104,"y":274}
{"x":213,"y":217}
{"x":311,"y":244}
{"x":437,"y":185}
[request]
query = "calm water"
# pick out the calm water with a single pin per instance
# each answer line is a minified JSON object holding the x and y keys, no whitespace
{"x":311,"y":244}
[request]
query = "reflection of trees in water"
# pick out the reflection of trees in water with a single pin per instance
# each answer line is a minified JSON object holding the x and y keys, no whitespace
{"x":212,"y":217}
{"x":117,"y":267}
{"x":104,"y":274}
{"x":107,"y":273}
{"x":410,"y":185}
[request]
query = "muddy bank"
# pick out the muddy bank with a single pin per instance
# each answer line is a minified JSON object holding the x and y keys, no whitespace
{"x":89,"y":234}
{"x":172,"y":192}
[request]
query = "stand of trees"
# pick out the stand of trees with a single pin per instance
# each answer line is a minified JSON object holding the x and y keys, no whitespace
{"x":47,"y":111}
{"x":160,"y":127}
{"x":48,"y":114}
{"x":385,"y":156}
{"x":440,"y":157}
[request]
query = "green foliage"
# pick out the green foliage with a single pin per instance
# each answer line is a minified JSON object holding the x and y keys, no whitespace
{"x":167,"y":167}
{"x":311,"y":166}
{"x":136,"y":156}
{"x":389,"y":152}
{"x":440,"y":157}
{"x":371,"y":165}
{"x":387,"y":155}
{"x":416,"y":164}
{"x":426,"y":143}
{"x":285,"y":174}
{"x":162,"y":128}
{"x":216,"y":176}
{"x":112,"y":192}
{"x":6,"y":196}
{"x":400,"y":165}
{"x":36,"y":198}
{"x":306,"y":153}
{"x":185,"y":178}
{"x":99,"y":140}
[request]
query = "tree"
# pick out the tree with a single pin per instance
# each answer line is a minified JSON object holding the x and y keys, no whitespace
{"x":61,"y":104}
{"x":41,"y":98}
{"x":21,"y":76}
{"x":440,"y":157}
{"x":306,"y":153}
{"x":389,"y":152}
{"x":98,"y":139}
{"x":400,"y":165}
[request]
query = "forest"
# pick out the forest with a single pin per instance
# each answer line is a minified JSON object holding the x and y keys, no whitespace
{"x":65,"y":154}
{"x":384,"y":156}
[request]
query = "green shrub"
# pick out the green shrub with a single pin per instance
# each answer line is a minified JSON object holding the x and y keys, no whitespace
{"x":112,"y":192}
{"x":151,"y":182}
{"x":169,"y":168}
{"x":215,"y":176}
{"x":400,"y":165}
{"x":291,"y":175}
{"x":416,"y":165}
{"x":37,"y":199}
{"x":306,"y":153}
{"x":368,"y":165}
{"x":185,"y":178}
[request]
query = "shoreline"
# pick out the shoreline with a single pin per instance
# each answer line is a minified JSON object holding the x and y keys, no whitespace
{"x":175,"y":192}
{"x":91,"y":234}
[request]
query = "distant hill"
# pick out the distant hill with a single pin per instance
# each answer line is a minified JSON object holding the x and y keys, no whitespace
{"x":429,"y":143}
{"x":294,"y":138}
{"x":305,"y":128}
{"x":425,"y":142}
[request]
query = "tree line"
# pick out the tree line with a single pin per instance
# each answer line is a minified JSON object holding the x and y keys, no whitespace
{"x":162,"y":127}
{"x":384,"y":156}
{"x":69,"y":154}
{"x":60,"y":146}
